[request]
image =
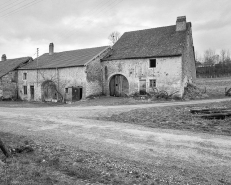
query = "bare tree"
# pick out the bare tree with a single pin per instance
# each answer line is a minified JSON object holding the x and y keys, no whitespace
{"x":223,"y":56}
{"x":114,"y":37}
{"x":209,"y":57}
{"x":227,"y":58}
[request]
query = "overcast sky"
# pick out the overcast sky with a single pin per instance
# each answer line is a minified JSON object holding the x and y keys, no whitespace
{"x":74,"y":24}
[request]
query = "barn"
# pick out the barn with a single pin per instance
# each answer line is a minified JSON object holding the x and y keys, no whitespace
{"x":160,"y":58}
{"x":62,"y":76}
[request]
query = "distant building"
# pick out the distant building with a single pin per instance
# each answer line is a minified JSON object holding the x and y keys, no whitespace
{"x":161,"y":58}
{"x":9,"y":76}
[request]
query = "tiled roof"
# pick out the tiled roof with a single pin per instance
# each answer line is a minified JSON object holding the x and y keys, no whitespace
{"x":155,"y":42}
{"x":12,"y":64}
{"x":65,"y":59}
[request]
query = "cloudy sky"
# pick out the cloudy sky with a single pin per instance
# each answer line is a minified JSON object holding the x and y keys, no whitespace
{"x":74,"y":24}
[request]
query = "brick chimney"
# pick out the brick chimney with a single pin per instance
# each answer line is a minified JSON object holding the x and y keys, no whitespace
{"x":181,"y":23}
{"x":3,"y":57}
{"x":51,"y":49}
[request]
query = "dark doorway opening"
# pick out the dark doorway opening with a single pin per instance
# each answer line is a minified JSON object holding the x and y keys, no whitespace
{"x":32,"y":92}
{"x":77,"y":93}
{"x":119,"y":86}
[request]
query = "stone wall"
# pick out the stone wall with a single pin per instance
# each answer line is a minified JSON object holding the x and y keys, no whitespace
{"x":63,"y":78}
{"x":189,"y":64}
{"x":94,"y":75}
{"x":8,"y":85}
{"x":167,"y":73}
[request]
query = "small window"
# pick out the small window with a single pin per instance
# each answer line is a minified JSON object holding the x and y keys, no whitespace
{"x":24,"y":76}
{"x":66,"y":90}
{"x":152,"y":83}
{"x":25,"y":90}
{"x":152,"y":63}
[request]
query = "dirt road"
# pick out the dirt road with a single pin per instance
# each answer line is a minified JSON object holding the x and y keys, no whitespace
{"x":147,"y":145}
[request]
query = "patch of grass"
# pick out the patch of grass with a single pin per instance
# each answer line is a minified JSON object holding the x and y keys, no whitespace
{"x":215,"y":87}
{"x":178,"y":117}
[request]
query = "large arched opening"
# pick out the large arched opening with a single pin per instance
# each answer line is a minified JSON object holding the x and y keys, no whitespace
{"x":49,"y":91}
{"x":118,"y":85}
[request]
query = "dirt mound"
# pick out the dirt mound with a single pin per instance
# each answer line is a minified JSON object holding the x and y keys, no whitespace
{"x":192,"y":92}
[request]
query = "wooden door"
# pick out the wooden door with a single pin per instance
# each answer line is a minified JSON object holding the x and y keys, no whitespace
{"x":32,"y":92}
{"x":112,"y":86}
{"x":75,"y":94}
{"x":119,"y":86}
{"x":142,"y":87}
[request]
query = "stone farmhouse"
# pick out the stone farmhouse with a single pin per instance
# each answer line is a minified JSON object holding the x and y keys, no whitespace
{"x":68,"y":75}
{"x":9,"y":76}
{"x":140,"y":61}
{"x":161,"y":58}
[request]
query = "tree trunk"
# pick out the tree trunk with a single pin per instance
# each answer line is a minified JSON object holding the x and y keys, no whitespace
{"x":4,"y":149}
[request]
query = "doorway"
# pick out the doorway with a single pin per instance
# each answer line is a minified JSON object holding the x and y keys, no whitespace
{"x":119,"y":86}
{"x":77,"y":93}
{"x":32,"y":92}
{"x":143,"y":87}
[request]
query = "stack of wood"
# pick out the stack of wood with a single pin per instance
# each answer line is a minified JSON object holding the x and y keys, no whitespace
{"x":212,"y":113}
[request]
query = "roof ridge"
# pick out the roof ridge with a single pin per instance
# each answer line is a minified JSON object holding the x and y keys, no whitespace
{"x":77,"y":50}
{"x":18,"y":58}
{"x":153,"y":28}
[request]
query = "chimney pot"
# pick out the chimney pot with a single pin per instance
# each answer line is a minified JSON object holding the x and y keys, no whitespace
{"x":51,"y":49}
{"x":3,"y":57}
{"x":181,"y":23}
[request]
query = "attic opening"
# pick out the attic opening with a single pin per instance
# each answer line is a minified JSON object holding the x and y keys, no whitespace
{"x":152,"y":63}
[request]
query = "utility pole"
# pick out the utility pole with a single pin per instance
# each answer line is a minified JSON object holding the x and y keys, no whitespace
{"x":37,"y":64}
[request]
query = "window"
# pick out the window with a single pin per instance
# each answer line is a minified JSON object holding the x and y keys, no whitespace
{"x":24,"y":76}
{"x":66,"y":90}
{"x":25,"y":90}
{"x":152,"y":83}
{"x":152,"y":63}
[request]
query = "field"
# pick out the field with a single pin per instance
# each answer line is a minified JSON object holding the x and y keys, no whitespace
{"x":177,"y":117}
{"x":214,"y":87}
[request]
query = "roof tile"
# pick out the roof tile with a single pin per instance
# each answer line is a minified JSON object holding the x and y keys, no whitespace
{"x":155,"y":42}
{"x":65,"y":59}
{"x":12,"y":64}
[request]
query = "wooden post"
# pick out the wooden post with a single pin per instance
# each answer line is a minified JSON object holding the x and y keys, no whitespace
{"x":4,"y":149}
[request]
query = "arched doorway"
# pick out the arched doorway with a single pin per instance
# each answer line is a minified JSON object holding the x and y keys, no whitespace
{"x":49,"y":91}
{"x":119,"y":86}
